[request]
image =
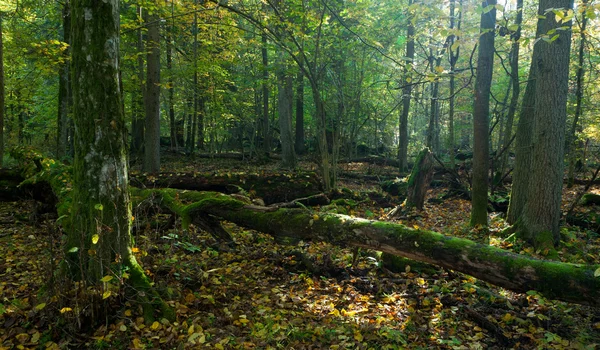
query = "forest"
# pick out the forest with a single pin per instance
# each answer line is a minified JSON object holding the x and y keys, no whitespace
{"x":299,"y":174}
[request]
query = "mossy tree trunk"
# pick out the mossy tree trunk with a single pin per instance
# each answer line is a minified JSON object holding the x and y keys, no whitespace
{"x":569,"y":282}
{"x":99,"y":235}
{"x":481,"y":111}
{"x":1,"y":93}
{"x":419,"y":180}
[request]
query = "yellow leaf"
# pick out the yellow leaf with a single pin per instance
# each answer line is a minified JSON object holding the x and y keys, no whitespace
{"x":507,"y":317}
{"x":191,"y":329}
{"x":439,"y":69}
{"x":137,"y":344}
{"x":358,"y":337}
{"x":315,"y":217}
{"x":35,"y":337}
{"x":106,"y":294}
{"x":123,"y":328}
{"x":128,"y":313}
{"x":597,"y":272}
{"x":95,"y":239}
{"x":155,"y":326}
{"x":244,"y":320}
{"x":416,"y":227}
{"x":65,"y":309}
{"x":219,"y":347}
{"x":135,"y":250}
{"x":106,"y":279}
{"x":40,"y":306}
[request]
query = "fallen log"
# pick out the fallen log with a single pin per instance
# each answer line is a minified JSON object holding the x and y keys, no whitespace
{"x":562,"y":281}
{"x":271,"y":187}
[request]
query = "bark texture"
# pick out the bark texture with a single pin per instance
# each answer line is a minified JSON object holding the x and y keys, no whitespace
{"x":1,"y":93}
{"x":481,"y":110}
{"x":406,"y":93}
{"x":541,"y":215}
{"x":99,"y":237}
{"x":288,"y":155}
{"x":64,"y":90}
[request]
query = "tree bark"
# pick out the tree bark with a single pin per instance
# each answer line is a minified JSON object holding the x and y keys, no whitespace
{"x":406,"y":92}
{"x":571,"y":148}
{"x":265,"y":130}
{"x":99,"y":237}
{"x":289,"y":186}
{"x":170,"y":86}
{"x":285,"y":100}
{"x":299,"y":145}
{"x":541,"y":215}
{"x":568,"y":282}
{"x":138,"y":100}
{"x":481,"y":110}
{"x":516,"y":90}
{"x":152,"y":134}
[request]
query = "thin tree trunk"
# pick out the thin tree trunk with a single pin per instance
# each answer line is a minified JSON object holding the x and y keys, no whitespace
{"x":63,"y":87}
{"x":265,"y":130}
{"x":152,"y":134}
{"x":453,"y":58}
{"x":516,"y":89}
{"x":299,"y":146}
{"x":286,"y":86}
{"x":138,"y":117}
{"x":481,"y":110}
{"x":170,"y":86}
{"x":571,"y":149}
{"x":406,"y":93}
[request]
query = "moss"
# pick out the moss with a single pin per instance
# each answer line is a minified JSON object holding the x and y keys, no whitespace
{"x":400,"y":264}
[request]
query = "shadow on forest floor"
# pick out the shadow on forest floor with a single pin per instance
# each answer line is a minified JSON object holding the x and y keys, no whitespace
{"x":308,"y":296}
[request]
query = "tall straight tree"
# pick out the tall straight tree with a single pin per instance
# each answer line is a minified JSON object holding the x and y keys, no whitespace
{"x":539,"y":221}
{"x":406,"y":90}
{"x":299,"y":144}
{"x":99,"y":240}
{"x":481,"y":110}
{"x":571,"y":139}
{"x":152,"y":98}
{"x":138,"y":117}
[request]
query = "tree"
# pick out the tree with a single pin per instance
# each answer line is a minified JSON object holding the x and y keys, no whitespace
{"x":284,"y":105}
{"x":481,"y":110}
{"x":406,"y":90}
{"x":99,"y":239}
{"x":539,"y":217}
{"x":152,"y":102}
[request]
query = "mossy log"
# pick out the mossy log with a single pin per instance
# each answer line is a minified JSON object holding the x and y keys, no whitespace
{"x":568,"y":282}
{"x":272,"y":188}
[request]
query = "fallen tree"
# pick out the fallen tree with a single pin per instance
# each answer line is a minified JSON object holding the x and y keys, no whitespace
{"x":562,"y":281}
{"x":271,"y":187}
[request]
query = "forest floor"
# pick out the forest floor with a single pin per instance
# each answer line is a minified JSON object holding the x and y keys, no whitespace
{"x":262,"y":295}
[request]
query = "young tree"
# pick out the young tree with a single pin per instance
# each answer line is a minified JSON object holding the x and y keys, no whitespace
{"x":152,"y":134}
{"x":481,"y":110}
{"x":99,"y":240}
{"x":406,"y":90}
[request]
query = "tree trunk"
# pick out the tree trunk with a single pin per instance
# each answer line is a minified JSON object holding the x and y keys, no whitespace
{"x":419,"y":180}
{"x":562,"y":281}
{"x":138,"y":97}
{"x":516,"y":90}
{"x":152,"y":135}
{"x":571,"y":147}
{"x":170,"y":85}
{"x":453,"y":53}
{"x":481,"y":110}
{"x":289,"y":186}
{"x":99,"y":237}
{"x":541,"y":215}
{"x":299,"y":146}
{"x":265,"y":130}
{"x":406,"y":93}
{"x":286,"y":86}
{"x":63,"y":87}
